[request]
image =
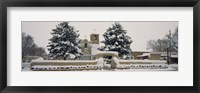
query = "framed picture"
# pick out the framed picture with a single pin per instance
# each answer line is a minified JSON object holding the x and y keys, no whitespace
{"x":105,"y":46}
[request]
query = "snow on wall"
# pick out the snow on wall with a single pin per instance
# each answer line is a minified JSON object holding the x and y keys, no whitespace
{"x":108,"y":52}
{"x":142,"y":66}
{"x":98,"y":64}
{"x":116,"y":60}
{"x":100,"y":61}
{"x":63,"y":62}
{"x":66,"y":68}
{"x":139,"y":61}
{"x":143,"y":61}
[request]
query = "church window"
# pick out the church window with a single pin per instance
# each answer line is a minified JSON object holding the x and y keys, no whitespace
{"x":85,"y":45}
{"x":95,"y":37}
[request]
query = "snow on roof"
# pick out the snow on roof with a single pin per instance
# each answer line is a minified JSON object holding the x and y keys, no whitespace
{"x":165,"y":53}
{"x":155,"y":53}
{"x":174,"y":56}
{"x":40,"y":58}
{"x":144,"y":54}
{"x":141,"y":51}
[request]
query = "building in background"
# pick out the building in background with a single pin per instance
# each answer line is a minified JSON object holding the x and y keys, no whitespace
{"x":148,"y":55}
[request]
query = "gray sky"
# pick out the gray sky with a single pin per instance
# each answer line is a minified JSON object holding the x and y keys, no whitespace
{"x":140,"y":31}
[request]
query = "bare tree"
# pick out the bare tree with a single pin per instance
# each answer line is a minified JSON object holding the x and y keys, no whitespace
{"x":161,"y":45}
{"x":29,"y":48}
{"x":27,"y":45}
{"x":175,"y":39}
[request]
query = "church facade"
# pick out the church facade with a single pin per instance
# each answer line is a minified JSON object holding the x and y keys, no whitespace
{"x":89,"y":48}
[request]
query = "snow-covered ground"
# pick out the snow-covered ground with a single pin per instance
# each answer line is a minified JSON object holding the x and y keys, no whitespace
{"x":172,"y":67}
{"x":26,"y":66}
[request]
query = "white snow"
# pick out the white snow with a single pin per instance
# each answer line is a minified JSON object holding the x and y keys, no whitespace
{"x":72,"y":44}
{"x":113,"y":47}
{"x":58,"y":48}
{"x":174,"y":56}
{"x":144,"y":54}
{"x":65,"y":42}
{"x":113,"y":36}
{"x":100,"y":61}
{"x":72,"y":56}
{"x":124,"y":56}
{"x":116,"y":60}
{"x":116,"y":43}
{"x":106,"y":49}
{"x":61,"y":61}
{"x":120,"y":36}
{"x":144,"y":61}
{"x":120,"y":40}
{"x":101,"y":64}
{"x":108,"y":52}
{"x":40,"y":58}
{"x":69,"y":67}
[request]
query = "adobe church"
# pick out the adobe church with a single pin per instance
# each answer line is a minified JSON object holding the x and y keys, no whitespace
{"x":89,"y":48}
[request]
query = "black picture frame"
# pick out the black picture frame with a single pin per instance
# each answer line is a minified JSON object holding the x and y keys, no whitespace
{"x":98,"y":3}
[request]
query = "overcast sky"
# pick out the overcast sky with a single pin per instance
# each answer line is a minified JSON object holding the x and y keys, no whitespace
{"x":140,"y":32}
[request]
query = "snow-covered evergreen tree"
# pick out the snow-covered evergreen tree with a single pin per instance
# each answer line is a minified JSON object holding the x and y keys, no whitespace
{"x":117,"y":40}
{"x":64,"y":43}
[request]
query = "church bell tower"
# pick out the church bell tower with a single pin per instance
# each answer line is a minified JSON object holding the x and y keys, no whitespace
{"x":94,"y":38}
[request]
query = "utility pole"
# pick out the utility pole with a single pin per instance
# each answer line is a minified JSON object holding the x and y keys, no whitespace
{"x":168,"y":56}
{"x":169,"y":37}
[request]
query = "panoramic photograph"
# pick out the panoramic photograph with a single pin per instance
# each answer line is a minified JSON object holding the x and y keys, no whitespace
{"x":99,"y":46}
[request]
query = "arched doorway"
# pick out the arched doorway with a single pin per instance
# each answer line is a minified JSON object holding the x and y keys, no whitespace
{"x":108,"y":62}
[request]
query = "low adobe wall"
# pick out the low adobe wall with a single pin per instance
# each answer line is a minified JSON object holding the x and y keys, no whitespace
{"x":66,"y":68}
{"x":64,"y":65}
{"x":142,"y":64}
{"x":63,"y":62}
{"x":142,"y":61}
{"x":75,"y":65}
{"x":116,"y":63}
